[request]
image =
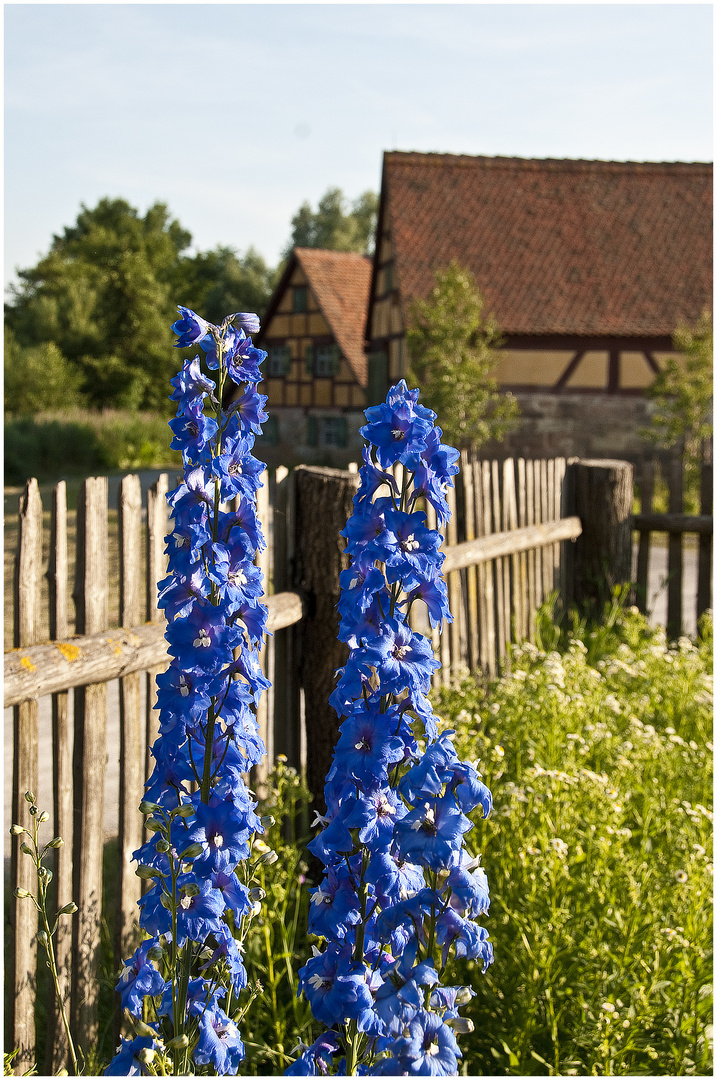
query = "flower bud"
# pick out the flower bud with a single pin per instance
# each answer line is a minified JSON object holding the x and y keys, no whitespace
{"x":162,"y":846}
{"x":68,"y":909}
{"x":185,"y":810}
{"x":267,"y":859}
{"x":43,"y":938}
{"x":146,"y":1054}
{"x":155,"y":953}
{"x":166,"y":901}
{"x":33,"y":810}
{"x":44,"y":816}
{"x":21,"y":894}
{"x":464,"y":995}
{"x":16,"y":830}
{"x":148,"y":808}
{"x":152,"y":825}
{"x":45,"y":875}
{"x":462,"y":1025}
{"x":192,"y":851}
{"x":192,"y":889}
{"x":29,"y":797}
{"x":27,"y":849}
{"x":148,"y":872}
{"x":267,"y":821}
{"x":140,"y":1027}
{"x":256,"y":894}
{"x":179,"y":1042}
{"x":56,"y":842}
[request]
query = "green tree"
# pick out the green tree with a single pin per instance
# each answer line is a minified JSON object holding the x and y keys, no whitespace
{"x":38,"y":377}
{"x":334,"y":224}
{"x":221,"y":281}
{"x":682,"y":393}
{"x":105,"y":294}
{"x":451,"y":343}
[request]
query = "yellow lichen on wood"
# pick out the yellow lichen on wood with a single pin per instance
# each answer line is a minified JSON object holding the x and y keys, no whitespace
{"x":27,"y":663}
{"x":70,"y":652}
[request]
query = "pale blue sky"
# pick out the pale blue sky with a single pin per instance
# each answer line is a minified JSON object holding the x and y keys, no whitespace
{"x":233,"y":114}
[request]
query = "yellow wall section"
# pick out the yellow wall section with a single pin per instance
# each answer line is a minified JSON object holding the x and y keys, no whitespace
{"x":341,"y":395}
{"x":358,"y":397}
{"x":290,"y":394}
{"x":322,"y":391}
{"x":279,"y":326}
{"x":530,"y":367}
{"x":635,"y":372}
{"x":305,"y":394}
{"x":591,"y":372}
{"x":318,"y":324}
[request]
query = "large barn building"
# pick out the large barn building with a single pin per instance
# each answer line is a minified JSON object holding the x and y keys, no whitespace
{"x":588,"y":267}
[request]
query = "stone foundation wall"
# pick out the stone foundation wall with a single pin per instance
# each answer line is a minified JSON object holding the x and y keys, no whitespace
{"x":589,"y":425}
{"x":592,"y":425}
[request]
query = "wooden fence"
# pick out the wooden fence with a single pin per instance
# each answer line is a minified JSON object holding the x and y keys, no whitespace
{"x":519,"y":531}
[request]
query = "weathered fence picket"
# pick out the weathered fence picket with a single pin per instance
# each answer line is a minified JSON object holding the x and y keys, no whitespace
{"x":509,"y":545}
{"x":62,"y":738}
{"x":28,"y":566}
{"x":89,"y":760}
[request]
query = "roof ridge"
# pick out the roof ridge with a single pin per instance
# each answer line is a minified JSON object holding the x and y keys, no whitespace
{"x":497,"y":161}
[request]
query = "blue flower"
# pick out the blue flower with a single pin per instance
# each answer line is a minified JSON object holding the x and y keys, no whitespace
{"x":139,"y":979}
{"x":191,"y":328}
{"x":126,"y":1061}
{"x":431,"y":834}
{"x":428,"y":1049}
{"x":219,"y":1043}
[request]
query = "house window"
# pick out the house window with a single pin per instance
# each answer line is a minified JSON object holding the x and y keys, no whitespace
{"x":299,"y":299}
{"x":270,"y":431}
{"x":377,"y":377}
{"x":330,"y":431}
{"x":279,"y":360}
{"x":333,"y":431}
{"x":327,"y":360}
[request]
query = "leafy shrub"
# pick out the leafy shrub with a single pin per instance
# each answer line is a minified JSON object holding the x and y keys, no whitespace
{"x":78,"y":441}
{"x":599,"y":760}
{"x":38,"y":377}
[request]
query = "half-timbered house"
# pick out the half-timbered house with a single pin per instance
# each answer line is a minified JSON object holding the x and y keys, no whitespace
{"x":315,"y":371}
{"x":588,"y":267}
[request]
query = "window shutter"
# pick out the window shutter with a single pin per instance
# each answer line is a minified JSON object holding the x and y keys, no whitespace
{"x":342,"y":431}
{"x":309,"y":359}
{"x":312,"y":431}
{"x":377,"y":377}
{"x":335,"y":359}
{"x":286,"y":361}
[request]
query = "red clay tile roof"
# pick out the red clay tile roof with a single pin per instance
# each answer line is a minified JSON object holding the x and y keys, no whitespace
{"x":557,"y":247}
{"x":340,"y":281}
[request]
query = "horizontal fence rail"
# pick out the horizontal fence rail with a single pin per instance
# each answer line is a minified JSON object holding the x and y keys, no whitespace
{"x":512,"y":542}
{"x":61,"y":665}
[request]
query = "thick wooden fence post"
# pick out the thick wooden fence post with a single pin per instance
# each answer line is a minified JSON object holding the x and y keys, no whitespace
{"x":324,"y":499}
{"x":131,"y":727}
{"x":704,"y":559}
{"x":602,"y":493}
{"x":89,"y":760}
{"x":28,"y":570}
{"x":57,"y":1048}
{"x":286,"y":686}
